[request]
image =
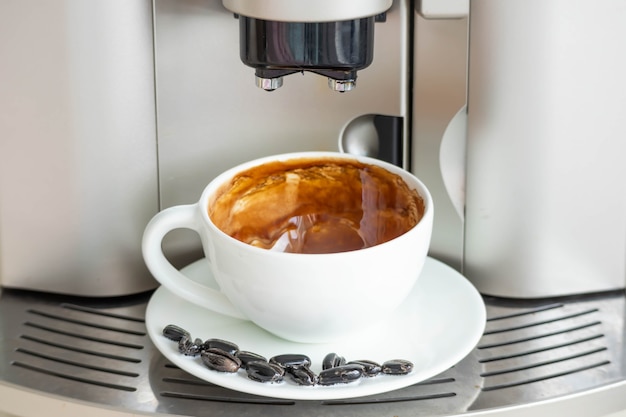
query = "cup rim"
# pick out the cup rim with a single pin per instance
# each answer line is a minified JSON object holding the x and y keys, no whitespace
{"x":214,"y":184}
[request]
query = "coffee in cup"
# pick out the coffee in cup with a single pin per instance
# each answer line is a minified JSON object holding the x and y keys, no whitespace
{"x":312,"y":246}
{"x":315,"y":205}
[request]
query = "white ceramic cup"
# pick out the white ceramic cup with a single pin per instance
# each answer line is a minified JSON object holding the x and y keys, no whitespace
{"x":308,"y":298}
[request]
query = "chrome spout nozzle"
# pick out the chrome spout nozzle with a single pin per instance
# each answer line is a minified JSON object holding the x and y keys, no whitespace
{"x":341,"y":85}
{"x":269,"y":84}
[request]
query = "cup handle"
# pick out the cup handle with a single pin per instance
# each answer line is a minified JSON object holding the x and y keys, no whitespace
{"x":180,"y":217}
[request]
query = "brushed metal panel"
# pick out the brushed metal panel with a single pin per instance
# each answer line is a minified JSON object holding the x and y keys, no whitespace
{"x":440,"y":84}
{"x":546,"y":199}
{"x":78,"y":175}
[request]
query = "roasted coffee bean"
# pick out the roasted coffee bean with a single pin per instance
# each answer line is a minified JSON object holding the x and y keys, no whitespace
{"x":175,"y":333}
{"x":188,"y":347}
{"x":302,"y":375}
{"x":184,"y":342}
{"x":224,"y":345}
{"x":340,"y":374}
{"x":220,"y":360}
{"x":246,"y":357}
{"x":332,"y":360}
{"x":291,"y":360}
{"x":278,"y":368}
{"x":225,"y":356}
{"x":262,"y":371}
{"x":397,"y":367}
{"x":370,"y":368}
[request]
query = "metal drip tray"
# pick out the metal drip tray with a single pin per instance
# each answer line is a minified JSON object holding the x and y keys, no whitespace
{"x":98,"y":351}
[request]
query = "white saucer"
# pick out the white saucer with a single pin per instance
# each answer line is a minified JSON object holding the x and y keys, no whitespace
{"x":437,"y":326}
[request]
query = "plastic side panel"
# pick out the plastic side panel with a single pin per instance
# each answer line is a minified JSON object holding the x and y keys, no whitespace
{"x":78,"y":177}
{"x":546,"y":178}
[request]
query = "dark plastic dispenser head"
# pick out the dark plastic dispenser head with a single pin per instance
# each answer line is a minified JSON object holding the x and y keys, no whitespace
{"x":336,"y":50}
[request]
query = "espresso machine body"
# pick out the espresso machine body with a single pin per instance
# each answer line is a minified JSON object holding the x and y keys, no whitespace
{"x":531,"y":182}
{"x":100,"y":166}
{"x":78,"y":162}
{"x":509,"y":111}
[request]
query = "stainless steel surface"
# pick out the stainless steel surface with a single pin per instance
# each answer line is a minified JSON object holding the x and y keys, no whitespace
{"x":440,"y":86}
{"x":98,"y":351}
{"x":532,"y":233}
{"x":78,"y":151}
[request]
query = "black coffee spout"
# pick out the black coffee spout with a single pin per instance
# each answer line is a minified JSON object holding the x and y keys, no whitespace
{"x":336,"y":50}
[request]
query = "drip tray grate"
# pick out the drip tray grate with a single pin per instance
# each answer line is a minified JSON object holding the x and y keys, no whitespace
{"x":98,"y":351}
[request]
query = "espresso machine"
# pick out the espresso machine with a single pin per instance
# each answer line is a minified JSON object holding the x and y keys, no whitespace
{"x":510,"y":111}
